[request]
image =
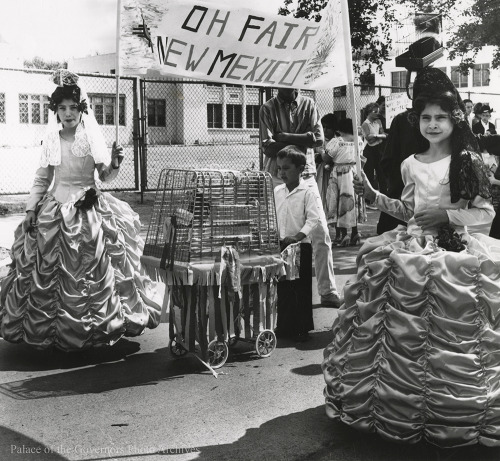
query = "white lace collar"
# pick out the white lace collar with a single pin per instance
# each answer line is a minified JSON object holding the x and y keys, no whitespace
{"x":83,"y":145}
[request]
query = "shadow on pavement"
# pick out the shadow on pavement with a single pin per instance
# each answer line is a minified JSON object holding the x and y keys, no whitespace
{"x":21,"y":357}
{"x":146,"y":369}
{"x":285,"y":437}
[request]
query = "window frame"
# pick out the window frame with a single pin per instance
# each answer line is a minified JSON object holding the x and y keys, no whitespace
{"x":35,"y":105}
{"x":157,"y":113}
{"x":106,"y":106}
{"x":214,"y":115}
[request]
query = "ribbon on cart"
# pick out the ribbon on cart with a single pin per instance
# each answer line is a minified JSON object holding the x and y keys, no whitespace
{"x":291,"y":256}
{"x":230,"y":271}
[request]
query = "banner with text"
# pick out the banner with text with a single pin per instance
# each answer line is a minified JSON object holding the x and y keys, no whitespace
{"x":207,"y":41}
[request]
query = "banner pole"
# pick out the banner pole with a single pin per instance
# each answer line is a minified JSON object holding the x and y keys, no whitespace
{"x":117,"y":69}
{"x":346,"y":29}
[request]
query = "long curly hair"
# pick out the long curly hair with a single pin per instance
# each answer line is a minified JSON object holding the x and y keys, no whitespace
{"x":72,"y":92}
{"x":468,"y":174}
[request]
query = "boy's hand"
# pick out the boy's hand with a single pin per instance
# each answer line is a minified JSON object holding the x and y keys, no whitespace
{"x":289,"y":240}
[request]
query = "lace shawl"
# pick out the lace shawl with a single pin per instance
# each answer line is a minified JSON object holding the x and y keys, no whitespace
{"x":89,"y":140}
{"x":468,"y":177}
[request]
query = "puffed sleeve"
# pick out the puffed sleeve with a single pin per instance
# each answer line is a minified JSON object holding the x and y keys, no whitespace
{"x":42,"y":182}
{"x":400,"y":209}
{"x":481,"y":212}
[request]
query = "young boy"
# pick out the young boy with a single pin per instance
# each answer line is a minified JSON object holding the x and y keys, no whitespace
{"x":298,"y":214}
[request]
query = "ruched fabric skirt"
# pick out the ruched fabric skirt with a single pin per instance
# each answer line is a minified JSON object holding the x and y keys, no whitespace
{"x":75,"y":282}
{"x":416,"y":346}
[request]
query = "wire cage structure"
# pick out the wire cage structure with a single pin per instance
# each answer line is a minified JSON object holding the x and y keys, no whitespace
{"x":197,"y":211}
{"x":213,"y":239}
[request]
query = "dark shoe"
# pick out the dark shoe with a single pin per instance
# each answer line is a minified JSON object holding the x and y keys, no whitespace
{"x":355,"y":239}
{"x":302,"y":337}
{"x":345,"y":242}
{"x":331,"y":301}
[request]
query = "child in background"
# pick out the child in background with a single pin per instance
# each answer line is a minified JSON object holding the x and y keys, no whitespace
{"x":329,"y":123}
{"x":344,"y":207}
{"x":298,"y":215}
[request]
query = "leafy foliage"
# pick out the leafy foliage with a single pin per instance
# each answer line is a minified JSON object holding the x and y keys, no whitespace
{"x":39,"y":63}
{"x":482,"y":28}
{"x":371,"y":22}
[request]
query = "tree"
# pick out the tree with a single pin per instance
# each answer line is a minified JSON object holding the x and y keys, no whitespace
{"x":39,"y":63}
{"x":370,"y":36}
{"x":482,"y":28}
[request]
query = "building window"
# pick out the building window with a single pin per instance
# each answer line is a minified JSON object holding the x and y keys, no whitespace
{"x":458,"y":78}
{"x":367,"y":81}
{"x":398,"y":81}
{"x":233,"y":117}
{"x":481,"y":75}
{"x":252,"y":116}
{"x":156,"y":112}
{"x":104,"y":108}
{"x":2,"y":107}
{"x":33,"y":108}
{"x":340,"y":91}
{"x":214,"y":115}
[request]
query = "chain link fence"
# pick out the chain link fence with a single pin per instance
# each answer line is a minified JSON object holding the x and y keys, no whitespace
{"x":162,"y":123}
{"x":24,"y":110}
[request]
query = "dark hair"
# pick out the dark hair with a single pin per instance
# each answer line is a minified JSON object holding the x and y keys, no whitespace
{"x":294,"y":154}
{"x":369,"y":108}
{"x":465,"y":101}
{"x":345,"y":126}
{"x":67,"y":92}
{"x":468,"y":175}
{"x":380,"y":100}
{"x":477,"y":108}
{"x":329,"y":121}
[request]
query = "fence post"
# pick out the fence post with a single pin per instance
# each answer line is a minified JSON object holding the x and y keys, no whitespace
{"x":136,"y":134}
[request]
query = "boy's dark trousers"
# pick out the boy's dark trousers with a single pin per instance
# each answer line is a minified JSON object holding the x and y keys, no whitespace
{"x":295,"y":298}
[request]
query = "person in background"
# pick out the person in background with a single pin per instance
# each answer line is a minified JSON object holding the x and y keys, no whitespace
{"x":344,"y":208}
{"x":298,"y":215}
{"x":292,"y":119}
{"x":374,"y":135}
{"x":476,"y":111}
{"x":469,"y":114}
{"x":329,"y":123}
{"x":484,"y":126}
{"x":381,"y":110}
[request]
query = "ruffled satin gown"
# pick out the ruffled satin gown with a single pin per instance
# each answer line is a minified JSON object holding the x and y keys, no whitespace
{"x":75,"y":281}
{"x":416,"y":348}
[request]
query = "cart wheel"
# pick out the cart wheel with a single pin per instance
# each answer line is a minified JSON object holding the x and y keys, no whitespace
{"x":265,"y":343}
{"x":217,"y":353}
{"x":176,"y":349}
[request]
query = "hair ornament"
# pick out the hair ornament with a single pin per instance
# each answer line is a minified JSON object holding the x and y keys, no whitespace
{"x":63,"y":77}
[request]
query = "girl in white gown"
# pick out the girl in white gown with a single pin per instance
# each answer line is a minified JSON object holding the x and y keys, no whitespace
{"x":75,"y":277}
{"x":415,"y":353}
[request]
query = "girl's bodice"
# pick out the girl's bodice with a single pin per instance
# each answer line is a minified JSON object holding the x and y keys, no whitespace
{"x":73,"y":174}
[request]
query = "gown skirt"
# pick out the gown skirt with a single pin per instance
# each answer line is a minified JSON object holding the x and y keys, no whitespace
{"x":75,"y":280}
{"x":416,"y":348}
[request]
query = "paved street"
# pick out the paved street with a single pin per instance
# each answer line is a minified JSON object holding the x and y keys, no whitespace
{"x":134,"y":401}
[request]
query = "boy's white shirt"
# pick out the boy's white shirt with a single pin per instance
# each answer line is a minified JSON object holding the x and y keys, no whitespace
{"x":297,"y":211}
